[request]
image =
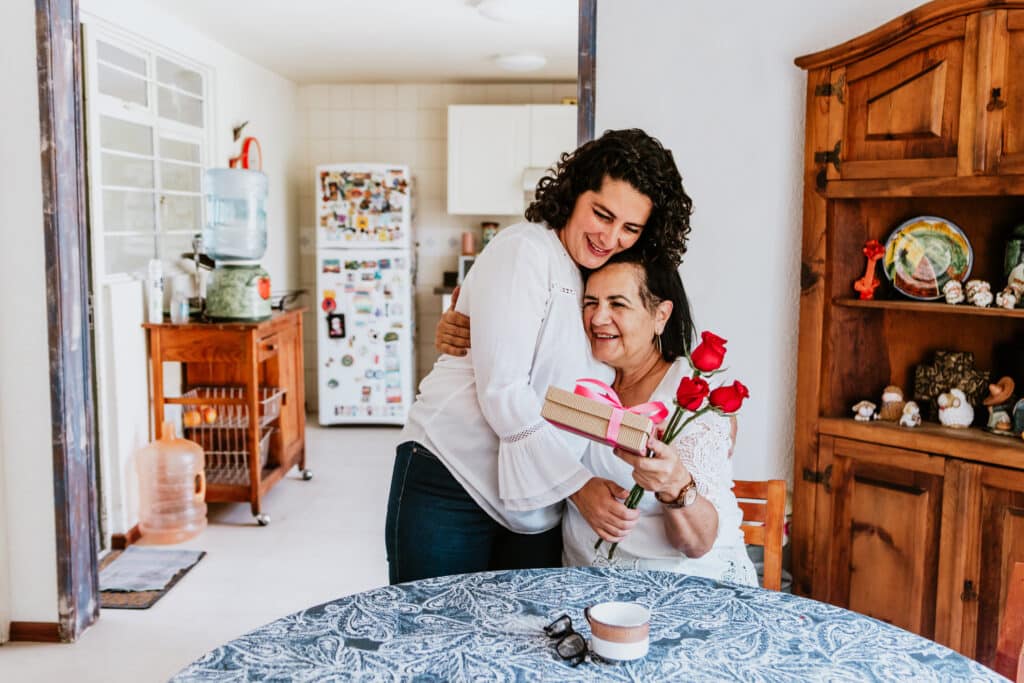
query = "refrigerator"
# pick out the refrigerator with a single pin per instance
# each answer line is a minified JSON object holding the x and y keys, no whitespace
{"x":364,"y":283}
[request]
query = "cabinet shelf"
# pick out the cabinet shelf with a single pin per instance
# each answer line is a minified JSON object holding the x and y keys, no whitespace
{"x":965,"y":444}
{"x":937,"y":307}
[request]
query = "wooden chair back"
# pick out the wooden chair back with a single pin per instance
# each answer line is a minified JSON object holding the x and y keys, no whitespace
{"x":764,"y":514}
{"x":1010,"y":648}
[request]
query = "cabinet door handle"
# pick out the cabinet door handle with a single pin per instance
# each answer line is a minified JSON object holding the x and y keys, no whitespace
{"x":270,"y":347}
{"x":969,"y":594}
{"x":996,"y":101}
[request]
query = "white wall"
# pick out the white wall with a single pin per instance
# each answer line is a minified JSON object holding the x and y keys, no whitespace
{"x":28,"y":563}
{"x":402,"y":123}
{"x":716,"y":84}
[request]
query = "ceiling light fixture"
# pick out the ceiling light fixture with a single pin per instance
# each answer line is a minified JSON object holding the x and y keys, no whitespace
{"x":521,"y":62}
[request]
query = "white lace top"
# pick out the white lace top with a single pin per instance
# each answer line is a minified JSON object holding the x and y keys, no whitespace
{"x":480,"y":414}
{"x":704,"y":447}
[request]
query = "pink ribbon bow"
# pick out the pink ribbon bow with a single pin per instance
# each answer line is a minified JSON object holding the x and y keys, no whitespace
{"x":655,"y":410}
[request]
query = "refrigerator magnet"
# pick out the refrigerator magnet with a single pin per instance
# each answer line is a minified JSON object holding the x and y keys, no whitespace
{"x":336,"y":326}
{"x":328,"y":304}
{"x":332,"y":265}
{"x":347,"y":360}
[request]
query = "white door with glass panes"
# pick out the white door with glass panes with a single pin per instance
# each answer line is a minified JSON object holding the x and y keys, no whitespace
{"x":147,"y":141}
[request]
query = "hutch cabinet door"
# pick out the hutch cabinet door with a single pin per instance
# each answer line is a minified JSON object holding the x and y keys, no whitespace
{"x":1001,"y":97}
{"x":896,"y":113}
{"x":986,"y":514}
{"x":880,"y":545}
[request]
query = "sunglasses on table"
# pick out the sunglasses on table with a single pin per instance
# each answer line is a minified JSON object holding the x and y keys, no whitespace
{"x":569,"y":644}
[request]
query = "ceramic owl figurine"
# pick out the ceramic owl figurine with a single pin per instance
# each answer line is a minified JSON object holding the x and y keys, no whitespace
{"x":979,"y":293}
{"x":1006,"y":299}
{"x":955,"y":410}
{"x":911,"y":416}
{"x":953,"y":291}
{"x":864,"y":411}
{"x":892,"y":404}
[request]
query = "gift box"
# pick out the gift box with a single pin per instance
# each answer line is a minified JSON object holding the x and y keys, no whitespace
{"x":602,"y":418}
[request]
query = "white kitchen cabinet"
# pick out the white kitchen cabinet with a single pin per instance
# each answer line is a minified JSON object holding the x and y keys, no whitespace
{"x":494,"y":150}
{"x":552,"y":132}
{"x":488,"y":148}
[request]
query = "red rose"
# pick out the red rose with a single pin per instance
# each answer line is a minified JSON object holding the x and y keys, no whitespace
{"x":709,"y":354}
{"x":692,"y":392}
{"x":727,"y":398}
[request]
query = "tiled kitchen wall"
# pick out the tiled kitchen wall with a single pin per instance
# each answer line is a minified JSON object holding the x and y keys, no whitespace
{"x":402,"y":123}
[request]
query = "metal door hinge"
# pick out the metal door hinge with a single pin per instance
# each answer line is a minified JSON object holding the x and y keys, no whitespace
{"x":824,"y":477}
{"x":969,"y":594}
{"x":829,"y":157}
{"x":830,"y":89}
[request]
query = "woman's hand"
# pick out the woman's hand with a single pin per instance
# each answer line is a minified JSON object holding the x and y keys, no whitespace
{"x":665,"y":473}
{"x":452,"y":333}
{"x":691,"y":529}
{"x":600,"y":501}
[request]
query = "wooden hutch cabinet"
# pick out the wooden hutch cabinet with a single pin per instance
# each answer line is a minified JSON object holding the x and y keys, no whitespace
{"x":916,"y":527}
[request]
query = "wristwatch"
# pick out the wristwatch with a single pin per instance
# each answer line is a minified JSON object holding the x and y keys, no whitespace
{"x":686,"y":497}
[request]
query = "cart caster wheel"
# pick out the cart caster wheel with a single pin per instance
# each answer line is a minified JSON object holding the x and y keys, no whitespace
{"x":263,"y":519}
{"x":307,"y":475}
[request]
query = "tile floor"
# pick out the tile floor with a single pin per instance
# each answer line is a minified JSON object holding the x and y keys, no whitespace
{"x":325,"y":540}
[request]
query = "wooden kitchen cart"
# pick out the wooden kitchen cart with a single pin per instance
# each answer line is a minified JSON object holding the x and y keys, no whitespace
{"x":916,"y":527}
{"x":261,"y":364}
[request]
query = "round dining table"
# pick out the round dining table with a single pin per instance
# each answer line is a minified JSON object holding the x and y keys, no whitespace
{"x":490,"y":627}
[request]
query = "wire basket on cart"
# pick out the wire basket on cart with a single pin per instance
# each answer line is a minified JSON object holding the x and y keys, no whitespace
{"x":222,"y":429}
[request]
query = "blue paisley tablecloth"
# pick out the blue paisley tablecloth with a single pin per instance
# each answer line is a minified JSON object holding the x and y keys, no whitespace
{"x":488,"y":627}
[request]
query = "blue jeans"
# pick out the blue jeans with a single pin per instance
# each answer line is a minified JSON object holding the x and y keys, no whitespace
{"x":434,"y":528}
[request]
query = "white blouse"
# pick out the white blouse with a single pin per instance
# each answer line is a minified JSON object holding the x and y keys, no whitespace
{"x":704,"y":448}
{"x":480,"y":414}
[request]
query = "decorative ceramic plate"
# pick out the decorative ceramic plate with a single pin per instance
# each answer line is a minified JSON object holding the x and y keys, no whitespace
{"x":925,"y":253}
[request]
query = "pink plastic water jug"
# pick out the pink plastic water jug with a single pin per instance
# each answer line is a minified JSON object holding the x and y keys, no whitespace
{"x":172,"y":488}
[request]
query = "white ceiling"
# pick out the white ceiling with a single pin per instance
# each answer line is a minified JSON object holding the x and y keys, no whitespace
{"x":329,"y":41}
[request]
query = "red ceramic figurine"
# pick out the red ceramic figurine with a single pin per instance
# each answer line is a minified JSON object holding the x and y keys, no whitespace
{"x":869,"y":283}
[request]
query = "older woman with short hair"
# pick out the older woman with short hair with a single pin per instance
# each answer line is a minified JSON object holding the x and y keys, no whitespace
{"x":637,"y":317}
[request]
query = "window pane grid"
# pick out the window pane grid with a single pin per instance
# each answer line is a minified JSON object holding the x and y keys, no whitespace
{"x":149,"y":157}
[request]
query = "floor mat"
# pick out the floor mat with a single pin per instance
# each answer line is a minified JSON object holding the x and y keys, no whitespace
{"x":169,"y":567}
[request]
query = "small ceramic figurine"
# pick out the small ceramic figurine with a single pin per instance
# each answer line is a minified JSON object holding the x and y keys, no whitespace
{"x":1006,"y":299}
{"x":955,"y":410}
{"x":892,"y":404}
{"x":911,"y":415}
{"x":864,"y":411}
{"x":979,"y":293}
{"x":1000,"y":404}
{"x":1018,"y":417}
{"x":953,"y":291}
{"x":982,"y":298}
{"x":1015,"y":281}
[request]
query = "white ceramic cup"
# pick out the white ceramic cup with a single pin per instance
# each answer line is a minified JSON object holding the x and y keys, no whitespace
{"x":620,"y":631}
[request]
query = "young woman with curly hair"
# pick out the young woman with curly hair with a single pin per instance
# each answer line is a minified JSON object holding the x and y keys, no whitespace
{"x":480,"y":478}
